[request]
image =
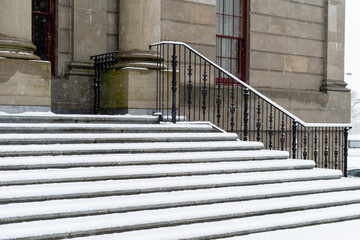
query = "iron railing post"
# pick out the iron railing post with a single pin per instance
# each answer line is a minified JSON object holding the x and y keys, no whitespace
{"x":96,"y":86}
{"x":173,"y":87}
{"x":294,"y":140}
{"x":246,"y":113}
{"x":346,"y":133}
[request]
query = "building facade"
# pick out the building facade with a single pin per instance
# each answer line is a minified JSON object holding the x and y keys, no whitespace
{"x":290,"y":50}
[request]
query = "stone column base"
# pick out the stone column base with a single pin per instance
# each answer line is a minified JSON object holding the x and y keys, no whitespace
{"x":25,"y":84}
{"x":130,"y":91}
{"x":337,"y":86}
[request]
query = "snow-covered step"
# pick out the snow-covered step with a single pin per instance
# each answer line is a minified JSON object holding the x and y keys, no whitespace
{"x":207,"y":230}
{"x":41,"y":162}
{"x":71,"y":118}
{"x":106,"y":148}
{"x":96,"y":128}
{"x":22,"y":177}
{"x":183,"y":210}
{"x":18,"y":139}
{"x":41,"y":192}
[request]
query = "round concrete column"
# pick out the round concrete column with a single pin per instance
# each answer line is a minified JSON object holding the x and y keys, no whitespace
{"x":15,"y":18}
{"x":139,"y":26}
{"x":15,"y":30}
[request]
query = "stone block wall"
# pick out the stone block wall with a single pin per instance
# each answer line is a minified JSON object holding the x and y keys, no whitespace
{"x":84,"y":28}
{"x":295,"y":50}
{"x":290,"y":57}
{"x":192,"y":22}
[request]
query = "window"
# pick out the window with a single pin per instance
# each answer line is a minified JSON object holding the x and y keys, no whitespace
{"x":43,"y":30}
{"x":231,"y":17}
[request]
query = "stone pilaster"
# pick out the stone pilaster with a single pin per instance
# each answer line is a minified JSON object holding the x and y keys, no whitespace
{"x":334,"y":47}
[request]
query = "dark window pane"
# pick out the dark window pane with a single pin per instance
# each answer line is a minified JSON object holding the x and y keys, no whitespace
{"x":42,"y":6}
{"x":228,"y":7}
{"x":219,"y":6}
{"x":228,"y":26}
{"x":41,"y":27}
{"x":226,"y":47}
{"x":41,"y":49}
{"x":238,"y":27}
{"x":235,"y":48}
{"x":219,"y":24}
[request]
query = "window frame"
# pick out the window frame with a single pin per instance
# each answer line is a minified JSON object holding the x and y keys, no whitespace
{"x":51,"y":31}
{"x":241,"y":52}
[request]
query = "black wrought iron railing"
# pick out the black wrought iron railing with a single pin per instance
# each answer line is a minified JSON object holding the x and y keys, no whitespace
{"x":102,"y":64}
{"x":190,"y":85}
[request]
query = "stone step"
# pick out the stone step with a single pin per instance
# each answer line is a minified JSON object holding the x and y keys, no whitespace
{"x":220,"y":220}
{"x":22,"y":177}
{"x":42,"y":192}
{"x":207,"y":230}
{"x":225,"y":203}
{"x":69,"y":138}
{"x":107,"y":148}
{"x":43,"y":162}
{"x":71,"y":118}
{"x":101,"y":128}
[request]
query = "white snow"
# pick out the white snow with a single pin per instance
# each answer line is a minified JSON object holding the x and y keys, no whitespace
{"x":122,"y":172}
{"x":129,"y":147}
{"x":354,"y":158}
{"x":208,"y":229}
{"x":135,"y":68}
{"x":183,"y":182}
{"x":122,"y":159}
{"x":330,"y":231}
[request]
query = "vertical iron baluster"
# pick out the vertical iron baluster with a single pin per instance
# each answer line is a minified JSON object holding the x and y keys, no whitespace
{"x":179,"y":80}
{"x":173,"y":86}
{"x":195,"y":84}
{"x":167,"y":82}
{"x":271,"y":133}
{"x":209,"y":98}
{"x":199,"y":89}
{"x":218,"y":100}
{"x":294,"y":142}
{"x":237,"y":109}
{"x":189,"y":86}
{"x":214,"y":96}
{"x":346,"y":133}
{"x":157,"y":78}
{"x":96,"y":69}
{"x":258,"y":123}
{"x":336,"y":150}
{"x":305,"y":145}
{"x":315,"y":147}
{"x":185,"y":83}
{"x":163,"y":81}
{"x":326,"y":149}
{"x":246,"y":113}
{"x":204,"y":92}
{"x":282,"y":140}
{"x":232,"y":107}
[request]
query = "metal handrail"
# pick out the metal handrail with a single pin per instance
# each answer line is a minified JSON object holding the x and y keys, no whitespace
{"x":274,"y":104}
{"x":199,"y":92}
